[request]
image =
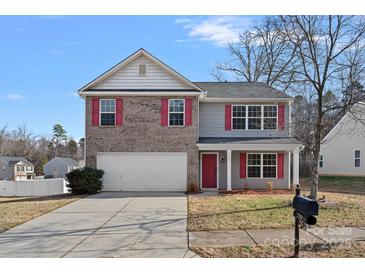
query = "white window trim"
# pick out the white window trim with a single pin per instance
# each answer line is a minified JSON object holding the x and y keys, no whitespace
{"x":262,"y":166}
{"x":357,"y":158}
{"x":115,"y":112}
{"x":239,"y":117}
{"x":183,"y":112}
{"x":262,"y":116}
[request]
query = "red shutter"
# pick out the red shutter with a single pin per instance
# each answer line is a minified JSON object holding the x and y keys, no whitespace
{"x":228,"y":117}
{"x":95,"y":111}
{"x":188,"y":111}
{"x":280,"y":165}
{"x":119,"y":111}
{"x":242,"y":165}
{"x":281,"y":117}
{"x":164,"y":112}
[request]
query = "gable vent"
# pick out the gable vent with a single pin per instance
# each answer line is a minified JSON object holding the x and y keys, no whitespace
{"x":142,"y":69}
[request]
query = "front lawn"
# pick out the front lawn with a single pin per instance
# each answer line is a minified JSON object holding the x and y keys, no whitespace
{"x":355,"y":185}
{"x":258,"y":211}
{"x":14,"y":211}
{"x":348,"y":250}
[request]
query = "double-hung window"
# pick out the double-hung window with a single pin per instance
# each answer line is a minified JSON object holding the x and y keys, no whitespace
{"x":20,"y":168}
{"x":262,"y":165}
{"x":254,"y":117}
{"x":321,"y":161}
{"x":270,"y":117}
{"x":357,"y":158}
{"x":176,"y":112}
{"x":239,"y":117}
{"x":107,"y":112}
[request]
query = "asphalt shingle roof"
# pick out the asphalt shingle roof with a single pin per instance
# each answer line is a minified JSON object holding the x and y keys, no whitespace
{"x":12,"y":160}
{"x":240,"y":90}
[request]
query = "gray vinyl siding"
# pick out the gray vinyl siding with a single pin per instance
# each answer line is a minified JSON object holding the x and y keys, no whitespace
{"x":212,"y":122}
{"x":128,"y":77}
{"x":254,"y":183}
{"x":56,"y":168}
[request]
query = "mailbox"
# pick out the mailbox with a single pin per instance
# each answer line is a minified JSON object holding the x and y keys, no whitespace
{"x":307,"y":208}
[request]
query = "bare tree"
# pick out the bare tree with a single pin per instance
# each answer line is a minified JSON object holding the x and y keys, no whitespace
{"x":322,"y":46}
{"x":261,"y":55}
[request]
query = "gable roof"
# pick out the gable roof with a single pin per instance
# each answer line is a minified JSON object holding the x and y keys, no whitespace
{"x":129,"y":59}
{"x":66,"y":161}
{"x":241,"y":90}
{"x":12,"y":160}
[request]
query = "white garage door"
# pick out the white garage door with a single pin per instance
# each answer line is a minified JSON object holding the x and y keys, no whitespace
{"x":150,"y":171}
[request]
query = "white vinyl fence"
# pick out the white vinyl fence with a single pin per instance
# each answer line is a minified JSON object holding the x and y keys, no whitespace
{"x":43,"y":187}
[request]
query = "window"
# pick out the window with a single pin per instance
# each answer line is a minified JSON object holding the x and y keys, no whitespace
{"x":239,"y":117}
{"x":269,"y":166}
{"x":321,"y":161}
{"x":20,"y":168}
{"x":357,"y":158}
{"x":254,"y":165}
{"x":176,"y":112}
{"x":142,"y":70}
{"x":262,"y":165}
{"x":254,"y":117}
{"x":270,"y":117}
{"x":29,"y":168}
{"x":107,"y":112}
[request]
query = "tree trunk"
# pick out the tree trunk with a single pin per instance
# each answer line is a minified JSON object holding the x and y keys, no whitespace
{"x":316,"y":148}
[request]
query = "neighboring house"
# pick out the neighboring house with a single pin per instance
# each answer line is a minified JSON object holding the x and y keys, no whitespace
{"x":16,"y":168}
{"x":58,"y":167}
{"x":151,"y":129}
{"x":343,"y":149}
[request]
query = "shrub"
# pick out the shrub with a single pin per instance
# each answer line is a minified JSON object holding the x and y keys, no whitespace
{"x":85,"y":180}
{"x":269,"y":185}
{"x":48,"y":176}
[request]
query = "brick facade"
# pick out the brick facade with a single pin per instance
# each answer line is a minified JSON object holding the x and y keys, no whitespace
{"x":142,"y":132}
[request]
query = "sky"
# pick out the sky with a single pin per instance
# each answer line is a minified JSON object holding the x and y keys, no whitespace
{"x":44,"y":60}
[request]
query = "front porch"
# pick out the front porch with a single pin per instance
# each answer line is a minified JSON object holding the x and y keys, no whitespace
{"x":245,"y":163}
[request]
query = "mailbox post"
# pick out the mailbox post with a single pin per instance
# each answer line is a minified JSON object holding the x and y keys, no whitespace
{"x":305,"y":212}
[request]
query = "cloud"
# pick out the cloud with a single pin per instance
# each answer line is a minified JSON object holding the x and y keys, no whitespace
{"x":70,"y":44}
{"x":14,"y":97}
{"x":218,"y":30}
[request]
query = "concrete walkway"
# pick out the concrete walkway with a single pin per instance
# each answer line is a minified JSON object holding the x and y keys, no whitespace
{"x":109,"y":224}
{"x":330,"y":235}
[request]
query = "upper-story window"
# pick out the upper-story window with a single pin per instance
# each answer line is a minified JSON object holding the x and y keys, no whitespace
{"x":357,"y":158}
{"x":142,"y":70}
{"x":270,"y":117}
{"x":254,"y":117}
{"x":29,"y":168}
{"x":20,"y":168}
{"x":107,"y":112}
{"x":239,"y":117}
{"x":176,"y":112}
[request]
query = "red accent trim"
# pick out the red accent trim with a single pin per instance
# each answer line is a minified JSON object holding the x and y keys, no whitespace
{"x":281,"y":116}
{"x":228,"y":117}
{"x":119,"y":111}
{"x":164,"y":112}
{"x":280,"y":165}
{"x":188,"y":111}
{"x":243,"y":165}
{"x":95,"y":111}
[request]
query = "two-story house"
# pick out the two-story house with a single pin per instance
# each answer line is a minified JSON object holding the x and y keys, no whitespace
{"x":151,"y":129}
{"x":16,"y":168}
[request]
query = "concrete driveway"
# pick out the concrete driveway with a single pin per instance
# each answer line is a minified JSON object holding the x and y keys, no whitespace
{"x":109,"y":224}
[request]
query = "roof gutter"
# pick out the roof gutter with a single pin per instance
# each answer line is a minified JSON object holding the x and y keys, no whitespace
{"x":245,"y":100}
{"x":141,"y":93}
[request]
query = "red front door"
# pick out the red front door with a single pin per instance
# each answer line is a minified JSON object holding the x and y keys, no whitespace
{"x":209,"y":171}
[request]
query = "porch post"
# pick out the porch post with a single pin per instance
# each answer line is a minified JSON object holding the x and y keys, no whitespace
{"x":295,"y":167}
{"x":229,"y":172}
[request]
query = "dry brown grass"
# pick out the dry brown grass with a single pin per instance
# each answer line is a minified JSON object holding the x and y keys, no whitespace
{"x":14,"y":211}
{"x":348,"y":250}
{"x":257,"y":211}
